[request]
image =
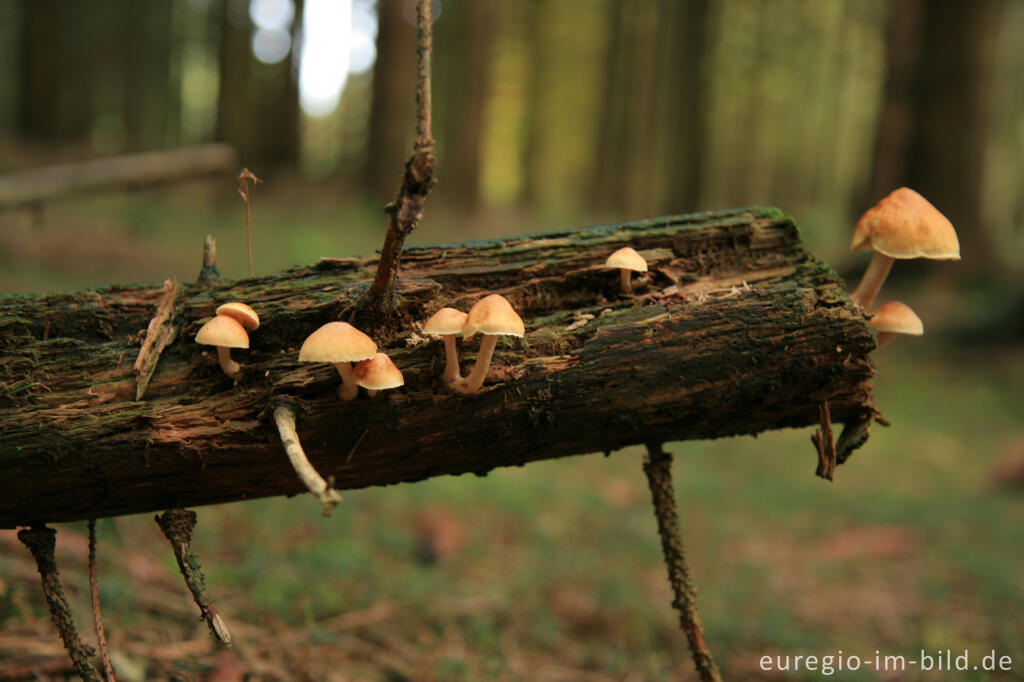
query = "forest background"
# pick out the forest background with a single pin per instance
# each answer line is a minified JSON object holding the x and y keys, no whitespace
{"x":552,"y":114}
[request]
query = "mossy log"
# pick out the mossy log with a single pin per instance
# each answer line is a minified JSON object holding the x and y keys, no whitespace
{"x":754,"y":336}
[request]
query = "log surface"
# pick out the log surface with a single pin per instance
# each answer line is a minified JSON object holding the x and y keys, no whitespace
{"x":760,"y":333}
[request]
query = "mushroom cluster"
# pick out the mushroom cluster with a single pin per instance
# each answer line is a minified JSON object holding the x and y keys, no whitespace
{"x":229,"y":329}
{"x":903,"y":225}
{"x":491,"y":316}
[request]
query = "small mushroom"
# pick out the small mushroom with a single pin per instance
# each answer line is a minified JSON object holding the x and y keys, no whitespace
{"x":447,"y":323}
{"x":902,"y":225}
{"x":245,"y":315}
{"x":225,"y":333}
{"x":895,"y":318}
{"x":378,"y":374}
{"x":492,"y":316}
{"x":627,"y":261}
{"x":340,"y":344}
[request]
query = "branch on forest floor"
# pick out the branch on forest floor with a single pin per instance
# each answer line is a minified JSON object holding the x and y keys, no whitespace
{"x":658,"y":467}
{"x":97,"y":617}
{"x":177,"y":525}
{"x":41,"y":542}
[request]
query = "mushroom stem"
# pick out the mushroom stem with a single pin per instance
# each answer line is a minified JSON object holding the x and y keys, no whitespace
{"x":627,"y":284}
{"x":874,"y":277}
{"x":475,"y":380}
{"x":230,"y":367}
{"x":884,"y":338}
{"x":451,"y":366}
{"x":328,"y":496}
{"x":349,"y":388}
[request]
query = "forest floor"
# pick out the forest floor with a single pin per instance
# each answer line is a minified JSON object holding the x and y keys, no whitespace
{"x":552,"y":572}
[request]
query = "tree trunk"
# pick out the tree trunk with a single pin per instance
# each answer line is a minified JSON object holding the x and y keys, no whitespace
{"x":760,"y":335}
{"x":934,"y":118}
{"x":464,"y":42}
{"x":235,"y":120}
{"x":393,"y":107}
{"x":684,"y":27}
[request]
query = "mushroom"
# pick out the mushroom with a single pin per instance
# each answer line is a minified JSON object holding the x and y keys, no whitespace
{"x":340,"y":344}
{"x":378,"y":374}
{"x":902,"y":225}
{"x":245,"y":315}
{"x":627,"y":261}
{"x":225,"y":333}
{"x":895,"y":318}
{"x":446,"y":323}
{"x":492,"y":316}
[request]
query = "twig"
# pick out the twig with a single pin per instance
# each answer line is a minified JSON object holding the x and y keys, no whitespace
{"x":284,"y":417}
{"x":209,"y":272}
{"x":243,"y":188}
{"x":41,"y":541}
{"x":162,"y":330}
{"x":177,"y":525}
{"x":658,"y":467}
{"x":97,"y":618}
{"x":823,"y":441}
{"x":406,"y":210}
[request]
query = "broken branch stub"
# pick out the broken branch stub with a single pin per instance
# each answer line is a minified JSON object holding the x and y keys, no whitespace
{"x":735,"y":360}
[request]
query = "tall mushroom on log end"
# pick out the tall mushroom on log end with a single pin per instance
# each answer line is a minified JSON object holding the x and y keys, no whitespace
{"x":447,"y":323}
{"x":894,"y":318}
{"x":492,"y":316}
{"x":903,"y":225}
{"x":340,"y":344}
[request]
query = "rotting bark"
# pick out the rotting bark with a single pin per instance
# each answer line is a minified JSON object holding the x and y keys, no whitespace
{"x":722,"y":360}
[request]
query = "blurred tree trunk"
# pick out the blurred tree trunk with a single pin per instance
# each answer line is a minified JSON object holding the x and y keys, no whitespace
{"x":682,"y":29}
{"x":464,"y":41}
{"x":611,"y":144}
{"x":56,"y":75}
{"x":234,"y":114}
{"x":151,"y":81}
{"x":934,"y":118}
{"x":533,"y":107}
{"x":393,"y":107}
{"x":258,"y":104}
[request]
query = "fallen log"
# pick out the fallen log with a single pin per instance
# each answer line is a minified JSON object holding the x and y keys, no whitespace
{"x":125,"y":170}
{"x":739,"y":331}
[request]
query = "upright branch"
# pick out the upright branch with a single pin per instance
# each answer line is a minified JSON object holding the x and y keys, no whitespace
{"x":209,"y":272}
{"x":658,"y":467}
{"x":41,"y":542}
{"x":177,"y":525}
{"x":243,"y":189}
{"x":97,"y":617}
{"x":405,"y":212}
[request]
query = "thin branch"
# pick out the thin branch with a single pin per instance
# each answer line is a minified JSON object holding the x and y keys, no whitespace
{"x":329,"y":498}
{"x":658,"y":467}
{"x":406,"y":210}
{"x":177,"y":525}
{"x":41,"y":541}
{"x":243,"y":189}
{"x":97,"y":617}
{"x":824,"y":443}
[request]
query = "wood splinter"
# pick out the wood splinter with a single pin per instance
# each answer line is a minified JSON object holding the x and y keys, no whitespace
{"x":825,"y":444}
{"x":160,"y":333}
{"x":284,"y":417}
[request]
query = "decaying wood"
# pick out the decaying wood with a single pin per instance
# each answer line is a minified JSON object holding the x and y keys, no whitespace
{"x":762,"y":335}
{"x":126,"y":170}
{"x":162,"y":330}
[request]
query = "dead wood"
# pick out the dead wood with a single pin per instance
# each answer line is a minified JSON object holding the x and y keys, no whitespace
{"x":757,"y":336}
